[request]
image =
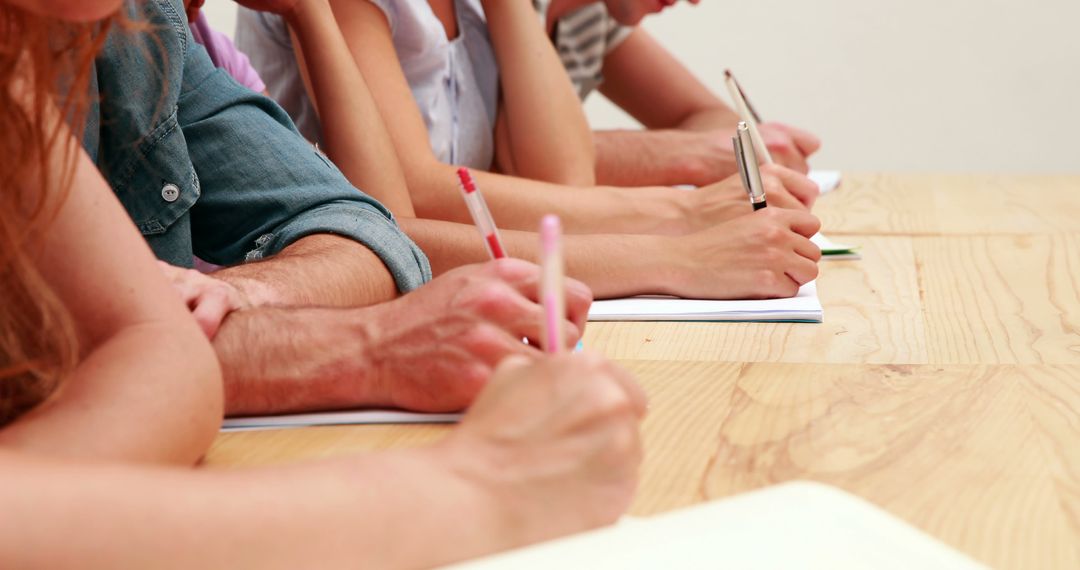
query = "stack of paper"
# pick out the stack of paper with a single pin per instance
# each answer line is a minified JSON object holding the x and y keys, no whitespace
{"x":355,"y":417}
{"x":795,"y":525}
{"x":804,"y":307}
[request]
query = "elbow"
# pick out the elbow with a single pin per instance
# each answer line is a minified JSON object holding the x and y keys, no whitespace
{"x":202,"y":403}
{"x":571,"y":165}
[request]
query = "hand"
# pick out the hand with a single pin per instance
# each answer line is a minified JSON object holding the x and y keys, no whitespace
{"x":789,"y":146}
{"x":727,"y":199}
{"x":554,"y":443}
{"x":210,"y":300}
{"x":435,"y":348}
{"x":766,"y":254}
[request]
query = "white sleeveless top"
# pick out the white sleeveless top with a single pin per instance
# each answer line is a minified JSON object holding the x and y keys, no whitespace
{"x":455,"y":83}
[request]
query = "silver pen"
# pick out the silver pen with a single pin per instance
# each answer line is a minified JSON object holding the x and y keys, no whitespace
{"x":749,"y":170}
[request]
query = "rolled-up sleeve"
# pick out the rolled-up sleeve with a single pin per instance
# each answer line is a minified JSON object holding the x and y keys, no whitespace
{"x":359,"y":222}
{"x":263,"y":186}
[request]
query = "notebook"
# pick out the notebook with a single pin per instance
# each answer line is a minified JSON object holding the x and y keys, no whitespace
{"x":834,"y":251}
{"x":802,"y":308}
{"x":353,"y":417}
{"x":795,"y":525}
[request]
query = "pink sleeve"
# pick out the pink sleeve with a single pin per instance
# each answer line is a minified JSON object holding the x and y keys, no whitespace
{"x":225,"y":55}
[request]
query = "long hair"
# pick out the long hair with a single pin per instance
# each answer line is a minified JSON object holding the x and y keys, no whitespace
{"x":45,"y":64}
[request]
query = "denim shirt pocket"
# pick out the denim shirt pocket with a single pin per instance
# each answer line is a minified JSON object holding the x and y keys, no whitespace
{"x":158,"y":183}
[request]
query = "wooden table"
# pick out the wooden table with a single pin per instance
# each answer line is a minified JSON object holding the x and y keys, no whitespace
{"x":944,"y":385}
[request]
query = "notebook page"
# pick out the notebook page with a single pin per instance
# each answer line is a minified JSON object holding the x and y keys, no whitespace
{"x":794,"y":525}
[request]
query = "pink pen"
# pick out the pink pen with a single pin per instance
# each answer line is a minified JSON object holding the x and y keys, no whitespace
{"x":481,"y":215}
{"x":552,"y":295}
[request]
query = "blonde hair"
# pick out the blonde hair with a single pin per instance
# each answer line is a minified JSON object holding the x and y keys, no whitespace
{"x":44,"y":64}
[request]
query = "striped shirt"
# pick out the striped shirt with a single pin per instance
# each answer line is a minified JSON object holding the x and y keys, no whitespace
{"x":583,"y":38}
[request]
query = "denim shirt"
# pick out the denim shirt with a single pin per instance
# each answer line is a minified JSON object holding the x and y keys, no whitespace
{"x":206,"y":167}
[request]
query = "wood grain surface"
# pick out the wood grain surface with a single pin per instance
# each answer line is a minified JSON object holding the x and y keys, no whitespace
{"x":943,"y":386}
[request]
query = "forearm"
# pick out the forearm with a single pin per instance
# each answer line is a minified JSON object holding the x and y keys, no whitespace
{"x":322,"y":270}
{"x":549,"y":136}
{"x":353,"y":133}
{"x":277,"y":360}
{"x":660,"y":157}
{"x":342,"y":514}
{"x":517,"y":203}
{"x":144,"y":395}
{"x":611,"y":265}
{"x":717,"y":117}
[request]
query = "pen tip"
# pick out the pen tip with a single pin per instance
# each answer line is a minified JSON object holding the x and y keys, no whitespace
{"x":727,"y":73}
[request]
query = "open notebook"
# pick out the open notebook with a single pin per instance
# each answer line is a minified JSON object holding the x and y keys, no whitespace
{"x":355,"y":417}
{"x":794,"y":525}
{"x":804,"y":307}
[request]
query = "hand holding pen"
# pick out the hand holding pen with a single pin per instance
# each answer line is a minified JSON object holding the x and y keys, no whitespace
{"x":561,"y":298}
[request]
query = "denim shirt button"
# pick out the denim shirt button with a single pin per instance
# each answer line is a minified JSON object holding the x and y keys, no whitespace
{"x":170,"y":192}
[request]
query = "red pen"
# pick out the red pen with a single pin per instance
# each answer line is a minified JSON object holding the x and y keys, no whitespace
{"x":481,"y":215}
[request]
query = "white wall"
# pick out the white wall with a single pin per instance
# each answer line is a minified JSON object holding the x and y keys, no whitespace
{"x":917,"y":85}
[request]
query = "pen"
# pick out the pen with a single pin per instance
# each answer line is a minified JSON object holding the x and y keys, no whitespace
{"x":748,"y":165}
{"x":481,"y":215}
{"x":747,"y":113}
{"x":552,"y":295}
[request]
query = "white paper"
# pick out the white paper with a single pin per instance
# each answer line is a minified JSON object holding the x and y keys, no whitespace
{"x":794,"y":525}
{"x":827,"y":180}
{"x":355,"y":417}
{"x":804,"y":307}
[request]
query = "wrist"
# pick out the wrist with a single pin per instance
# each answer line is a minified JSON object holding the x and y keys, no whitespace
{"x":253,"y":292}
{"x":668,"y":264}
{"x":498,"y":510}
{"x":667,"y":209}
{"x":712,"y":159}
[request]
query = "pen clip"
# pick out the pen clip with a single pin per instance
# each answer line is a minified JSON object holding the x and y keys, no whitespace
{"x":740,"y":160}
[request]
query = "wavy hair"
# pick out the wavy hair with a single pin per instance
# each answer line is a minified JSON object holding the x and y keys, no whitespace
{"x":45,"y":64}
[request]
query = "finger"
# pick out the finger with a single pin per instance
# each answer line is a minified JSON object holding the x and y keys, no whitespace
{"x":805,"y":141}
{"x":211,"y":309}
{"x":785,"y":153}
{"x":513,"y":363}
{"x":171,"y":271}
{"x":802,"y":223}
{"x":491,"y":344}
{"x":776,"y":194}
{"x":533,"y":327}
{"x":523,"y":277}
{"x":579,"y":298}
{"x":802,"y":270}
{"x":801,"y":187}
{"x":808,"y":249}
